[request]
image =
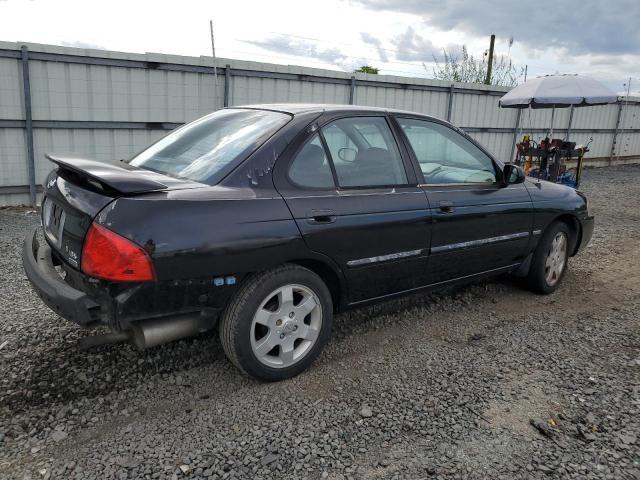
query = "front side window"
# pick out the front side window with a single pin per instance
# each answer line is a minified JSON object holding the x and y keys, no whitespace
{"x":364,"y":152}
{"x":203,"y":148}
{"x":445,"y":156}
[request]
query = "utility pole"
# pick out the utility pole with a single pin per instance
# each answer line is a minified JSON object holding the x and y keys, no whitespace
{"x":215,"y":69}
{"x":614,"y":143}
{"x":490,"y":62}
{"x":623,"y":111}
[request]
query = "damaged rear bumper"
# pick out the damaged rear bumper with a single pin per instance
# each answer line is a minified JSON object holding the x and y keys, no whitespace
{"x":71,"y":304}
{"x":76,"y":306}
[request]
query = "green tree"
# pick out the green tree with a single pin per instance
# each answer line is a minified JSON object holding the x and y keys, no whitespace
{"x":467,"y":68}
{"x":367,"y":69}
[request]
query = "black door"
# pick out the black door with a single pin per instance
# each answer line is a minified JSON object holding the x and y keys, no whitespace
{"x":478,"y":224}
{"x":355,"y":201}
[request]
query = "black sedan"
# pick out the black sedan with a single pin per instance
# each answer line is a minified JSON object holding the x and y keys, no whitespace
{"x":266,"y":220}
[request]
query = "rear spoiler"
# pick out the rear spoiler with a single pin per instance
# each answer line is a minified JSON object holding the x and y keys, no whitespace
{"x":116,"y":176}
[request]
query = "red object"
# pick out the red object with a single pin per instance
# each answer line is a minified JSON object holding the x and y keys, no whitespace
{"x":109,"y":256}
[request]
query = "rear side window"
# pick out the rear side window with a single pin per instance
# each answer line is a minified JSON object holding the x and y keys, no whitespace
{"x":310,"y":167}
{"x":203,"y":149}
{"x":364,"y":152}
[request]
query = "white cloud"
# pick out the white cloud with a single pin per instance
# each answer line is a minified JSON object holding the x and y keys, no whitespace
{"x":393,"y":36}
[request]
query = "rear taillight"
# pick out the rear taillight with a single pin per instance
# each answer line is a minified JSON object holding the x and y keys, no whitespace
{"x":109,"y":256}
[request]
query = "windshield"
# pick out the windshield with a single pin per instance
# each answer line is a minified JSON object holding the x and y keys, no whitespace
{"x":202,"y":149}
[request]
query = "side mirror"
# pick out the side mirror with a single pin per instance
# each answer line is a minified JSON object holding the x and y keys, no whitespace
{"x":347,"y":154}
{"x":512,"y":174}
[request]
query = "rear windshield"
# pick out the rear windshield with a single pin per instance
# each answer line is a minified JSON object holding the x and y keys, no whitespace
{"x":205,"y":149}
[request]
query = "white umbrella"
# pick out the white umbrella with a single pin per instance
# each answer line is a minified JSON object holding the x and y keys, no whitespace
{"x":558,"y":91}
{"x":553,"y":91}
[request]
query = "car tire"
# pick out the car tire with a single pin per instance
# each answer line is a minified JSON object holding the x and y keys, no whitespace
{"x":550,"y":259}
{"x":289,"y":308}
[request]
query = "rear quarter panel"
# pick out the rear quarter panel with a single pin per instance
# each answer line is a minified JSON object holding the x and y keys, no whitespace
{"x":195,"y":238}
{"x":206,"y":233}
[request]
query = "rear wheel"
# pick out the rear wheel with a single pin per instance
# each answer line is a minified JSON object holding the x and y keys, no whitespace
{"x":549,"y":262}
{"x":277,"y":323}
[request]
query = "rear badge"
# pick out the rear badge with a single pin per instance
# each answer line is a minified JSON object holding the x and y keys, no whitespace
{"x":72,"y":256}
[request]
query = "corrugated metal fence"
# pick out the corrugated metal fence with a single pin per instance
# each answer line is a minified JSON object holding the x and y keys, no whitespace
{"x":109,"y":105}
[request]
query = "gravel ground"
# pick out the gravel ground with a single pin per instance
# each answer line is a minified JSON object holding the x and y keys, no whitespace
{"x":484,"y":381}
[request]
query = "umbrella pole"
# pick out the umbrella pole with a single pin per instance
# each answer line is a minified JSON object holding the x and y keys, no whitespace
{"x":553,"y":111}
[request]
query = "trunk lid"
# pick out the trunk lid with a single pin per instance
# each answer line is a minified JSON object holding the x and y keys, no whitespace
{"x":80,"y":188}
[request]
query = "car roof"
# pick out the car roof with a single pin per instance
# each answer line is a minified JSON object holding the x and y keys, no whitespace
{"x":298,"y":108}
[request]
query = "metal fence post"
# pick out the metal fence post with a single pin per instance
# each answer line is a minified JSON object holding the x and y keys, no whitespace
{"x":28,"y":122}
{"x":615,"y":134}
{"x":570,"y":122}
{"x":227,"y":84}
{"x":515,"y":133}
{"x":450,"y":106}
{"x":352,"y":90}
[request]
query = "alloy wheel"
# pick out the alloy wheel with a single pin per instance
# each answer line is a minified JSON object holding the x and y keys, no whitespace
{"x":556,"y":259}
{"x":286,"y":326}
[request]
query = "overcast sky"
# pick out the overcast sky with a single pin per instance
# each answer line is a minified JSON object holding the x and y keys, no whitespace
{"x":592,"y":37}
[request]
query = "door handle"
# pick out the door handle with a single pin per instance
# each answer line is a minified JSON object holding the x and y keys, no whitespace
{"x":446,"y":206}
{"x":321,"y":217}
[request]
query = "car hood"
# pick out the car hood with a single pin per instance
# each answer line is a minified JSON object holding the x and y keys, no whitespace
{"x":544,"y":191}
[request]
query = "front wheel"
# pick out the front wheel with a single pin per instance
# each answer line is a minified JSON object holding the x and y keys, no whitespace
{"x":277,"y":323}
{"x":549,"y":262}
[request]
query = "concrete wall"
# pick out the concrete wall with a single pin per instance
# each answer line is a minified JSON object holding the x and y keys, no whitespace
{"x":109,"y":105}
